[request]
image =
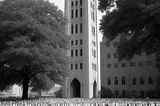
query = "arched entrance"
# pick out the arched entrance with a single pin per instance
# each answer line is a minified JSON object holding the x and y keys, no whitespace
{"x":94,"y":89}
{"x":75,"y":90}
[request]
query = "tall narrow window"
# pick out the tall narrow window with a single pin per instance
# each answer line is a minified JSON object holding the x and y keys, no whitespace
{"x":81,"y":66}
{"x":72,"y":42}
{"x":109,"y":81}
{"x":123,"y":80}
{"x":72,"y":14}
{"x":76,"y":13}
{"x":81,"y":28}
{"x":71,"y":66}
{"x":134,"y":81}
{"x":81,"y":52}
{"x":71,"y":29}
{"x":93,"y":17}
{"x":80,"y":2}
{"x":81,"y":41}
{"x":93,"y":30}
{"x":108,"y":56}
{"x":71,"y":53}
{"x":76,"y":42}
{"x":76,"y":52}
{"x":76,"y":3}
{"x":76,"y":66}
{"x":81,"y":12}
{"x":141,"y":80}
{"x":76,"y":28}
{"x":150,"y":80}
{"x":115,"y":81}
{"x":72,"y":4}
{"x":108,"y":65}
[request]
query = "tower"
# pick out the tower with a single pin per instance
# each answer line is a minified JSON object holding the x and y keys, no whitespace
{"x":84,"y":80}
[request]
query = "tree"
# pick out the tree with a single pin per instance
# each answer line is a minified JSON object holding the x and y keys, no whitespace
{"x":136,"y":22}
{"x":32,"y":44}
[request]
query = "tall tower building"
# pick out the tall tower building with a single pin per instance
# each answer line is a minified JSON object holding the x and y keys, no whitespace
{"x":84,"y":80}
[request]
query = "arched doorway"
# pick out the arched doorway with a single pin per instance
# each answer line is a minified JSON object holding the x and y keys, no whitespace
{"x":94,"y":89}
{"x":75,"y":90}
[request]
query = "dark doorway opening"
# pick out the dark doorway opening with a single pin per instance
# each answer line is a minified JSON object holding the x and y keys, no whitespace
{"x":75,"y":91}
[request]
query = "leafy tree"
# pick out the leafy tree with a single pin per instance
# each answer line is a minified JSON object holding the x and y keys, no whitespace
{"x":32,"y":44}
{"x":136,"y":22}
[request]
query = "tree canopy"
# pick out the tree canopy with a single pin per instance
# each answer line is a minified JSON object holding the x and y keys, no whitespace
{"x":136,"y":22}
{"x":33,"y":44}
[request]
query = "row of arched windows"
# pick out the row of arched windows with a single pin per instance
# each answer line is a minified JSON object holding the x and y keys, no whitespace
{"x":134,"y":80}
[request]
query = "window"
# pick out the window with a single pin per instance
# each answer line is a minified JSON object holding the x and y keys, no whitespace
{"x":115,"y":81}
{"x":76,"y":42}
{"x":71,"y":66}
{"x":108,"y":56}
{"x":141,"y":80}
{"x":93,"y":17}
{"x":76,"y":3}
{"x":76,"y":66}
{"x":72,"y":42}
{"x":115,"y":65}
{"x":140,"y":63}
{"x":80,"y":2}
{"x":81,"y":66}
{"x":72,"y":4}
{"x":71,"y":53}
{"x":81,"y":12}
{"x":76,"y":28}
{"x":76,"y":52}
{"x":134,"y":81}
{"x":132,"y":64}
{"x":81,"y":52}
{"x":123,"y":64}
{"x":94,"y":43}
{"x":115,"y":55}
{"x":108,"y":65}
{"x":109,"y":81}
{"x":81,"y":28}
{"x":123,"y":80}
{"x":150,"y":80}
{"x":81,"y":41}
{"x":71,"y":29}
{"x":76,"y":13}
{"x":94,"y":66}
{"x":93,"y":53}
{"x":93,"y":30}
{"x":72,"y":14}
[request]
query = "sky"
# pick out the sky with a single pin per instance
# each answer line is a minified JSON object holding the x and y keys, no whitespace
{"x":60,"y":4}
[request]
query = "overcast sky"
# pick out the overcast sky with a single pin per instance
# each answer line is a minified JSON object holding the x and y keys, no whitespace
{"x":60,"y":4}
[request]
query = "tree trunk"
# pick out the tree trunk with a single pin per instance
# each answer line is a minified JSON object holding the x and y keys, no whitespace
{"x":25,"y":82}
{"x":25,"y":89}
